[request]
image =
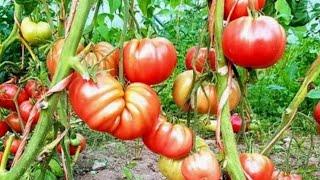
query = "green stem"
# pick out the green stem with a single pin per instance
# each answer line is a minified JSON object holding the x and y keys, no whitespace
{"x":122,"y":39}
{"x":94,"y":19}
{"x":290,"y":112}
{"x":14,"y":32}
{"x":233,"y":165}
{"x":68,"y":159}
{"x":6,"y":153}
{"x":69,"y":50}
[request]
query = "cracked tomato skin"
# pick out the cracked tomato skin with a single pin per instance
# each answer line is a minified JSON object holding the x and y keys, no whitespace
{"x":254,"y":42}
{"x":149,"y":61}
{"x":107,"y":107}
{"x":241,"y":8}
{"x":170,"y":140}
{"x":201,"y":59}
{"x":257,"y":166}
{"x":201,"y":165}
{"x":7,"y":94}
{"x":34,"y":89}
{"x":4,"y":128}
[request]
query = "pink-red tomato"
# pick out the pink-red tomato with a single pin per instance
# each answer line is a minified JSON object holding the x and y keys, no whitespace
{"x":285,"y":176}
{"x":34,"y":89}
{"x":3,"y":128}
{"x":7,"y":94}
{"x":72,"y":148}
{"x":240,"y":7}
{"x":254,"y":42}
{"x":25,"y":110}
{"x":316,"y":113}
{"x":106,"y":56}
{"x":126,"y":113}
{"x":201,"y":165}
{"x":236,"y":122}
{"x":149,"y":61}
{"x":172,"y":141}
{"x":257,"y":166}
{"x":201,"y":59}
{"x":13,"y":122}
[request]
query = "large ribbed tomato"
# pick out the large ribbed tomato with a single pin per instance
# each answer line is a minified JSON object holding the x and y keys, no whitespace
{"x":7,"y":94}
{"x":257,"y":166}
{"x":13,"y":122}
{"x":254,"y":42}
{"x":104,"y":54}
{"x":240,"y":8}
{"x":183,"y":85}
{"x":3,"y":128}
{"x":316,"y":113}
{"x":172,"y":141}
{"x":54,"y":55}
{"x":201,"y":59}
{"x":201,"y":165}
{"x":149,"y":61}
{"x":105,"y":106}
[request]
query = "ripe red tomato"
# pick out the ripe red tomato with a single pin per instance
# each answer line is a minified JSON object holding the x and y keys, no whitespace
{"x":285,"y":176}
{"x":316,"y":113}
{"x":7,"y":94}
{"x":13,"y":122}
{"x":149,"y":61}
{"x":201,"y":59}
{"x":236,"y":122}
{"x":14,"y":146}
{"x":201,"y":165}
{"x":3,"y":128}
{"x":172,"y":141}
{"x":25,"y":110}
{"x":54,"y":55}
{"x":183,"y":85}
{"x":101,"y":53}
{"x":254,"y":42}
{"x":72,"y":148}
{"x":257,"y":166}
{"x":106,"y":106}
{"x":241,"y":7}
{"x":34,"y":89}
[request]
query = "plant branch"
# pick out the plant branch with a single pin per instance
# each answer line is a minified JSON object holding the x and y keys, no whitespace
{"x":290,"y":112}
{"x":233,"y":165}
{"x":6,"y":153}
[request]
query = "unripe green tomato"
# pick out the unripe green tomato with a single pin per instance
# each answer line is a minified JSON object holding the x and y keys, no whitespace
{"x":170,"y":168}
{"x":35,"y":33}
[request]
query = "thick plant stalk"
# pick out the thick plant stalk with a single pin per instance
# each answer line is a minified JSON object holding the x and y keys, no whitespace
{"x":290,"y":112}
{"x":14,"y":32}
{"x":233,"y":165}
{"x":64,"y":68}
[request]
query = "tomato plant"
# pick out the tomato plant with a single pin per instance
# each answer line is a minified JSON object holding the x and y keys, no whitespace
{"x":82,"y":142}
{"x":149,"y":61}
{"x":254,"y":42}
{"x":201,"y":165}
{"x":13,"y":122}
{"x":106,"y":56}
{"x":239,"y":8}
{"x":178,"y":136}
{"x":35,"y":33}
{"x":257,"y":166}
{"x":3,"y":128}
{"x":202,"y":58}
{"x":125,"y":113}
{"x":7,"y":94}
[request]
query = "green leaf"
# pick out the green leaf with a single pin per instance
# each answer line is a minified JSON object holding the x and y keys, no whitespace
{"x":314,"y":94}
{"x":299,"y":11}
{"x":144,"y":6}
{"x":104,"y":31}
{"x":283,"y":11}
{"x":174,"y":3}
{"x":114,"y":5}
{"x":101,"y":18}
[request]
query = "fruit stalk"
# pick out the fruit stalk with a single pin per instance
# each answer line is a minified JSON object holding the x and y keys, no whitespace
{"x":232,"y":160}
{"x":290,"y":112}
{"x":6,"y":153}
{"x":64,"y":68}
